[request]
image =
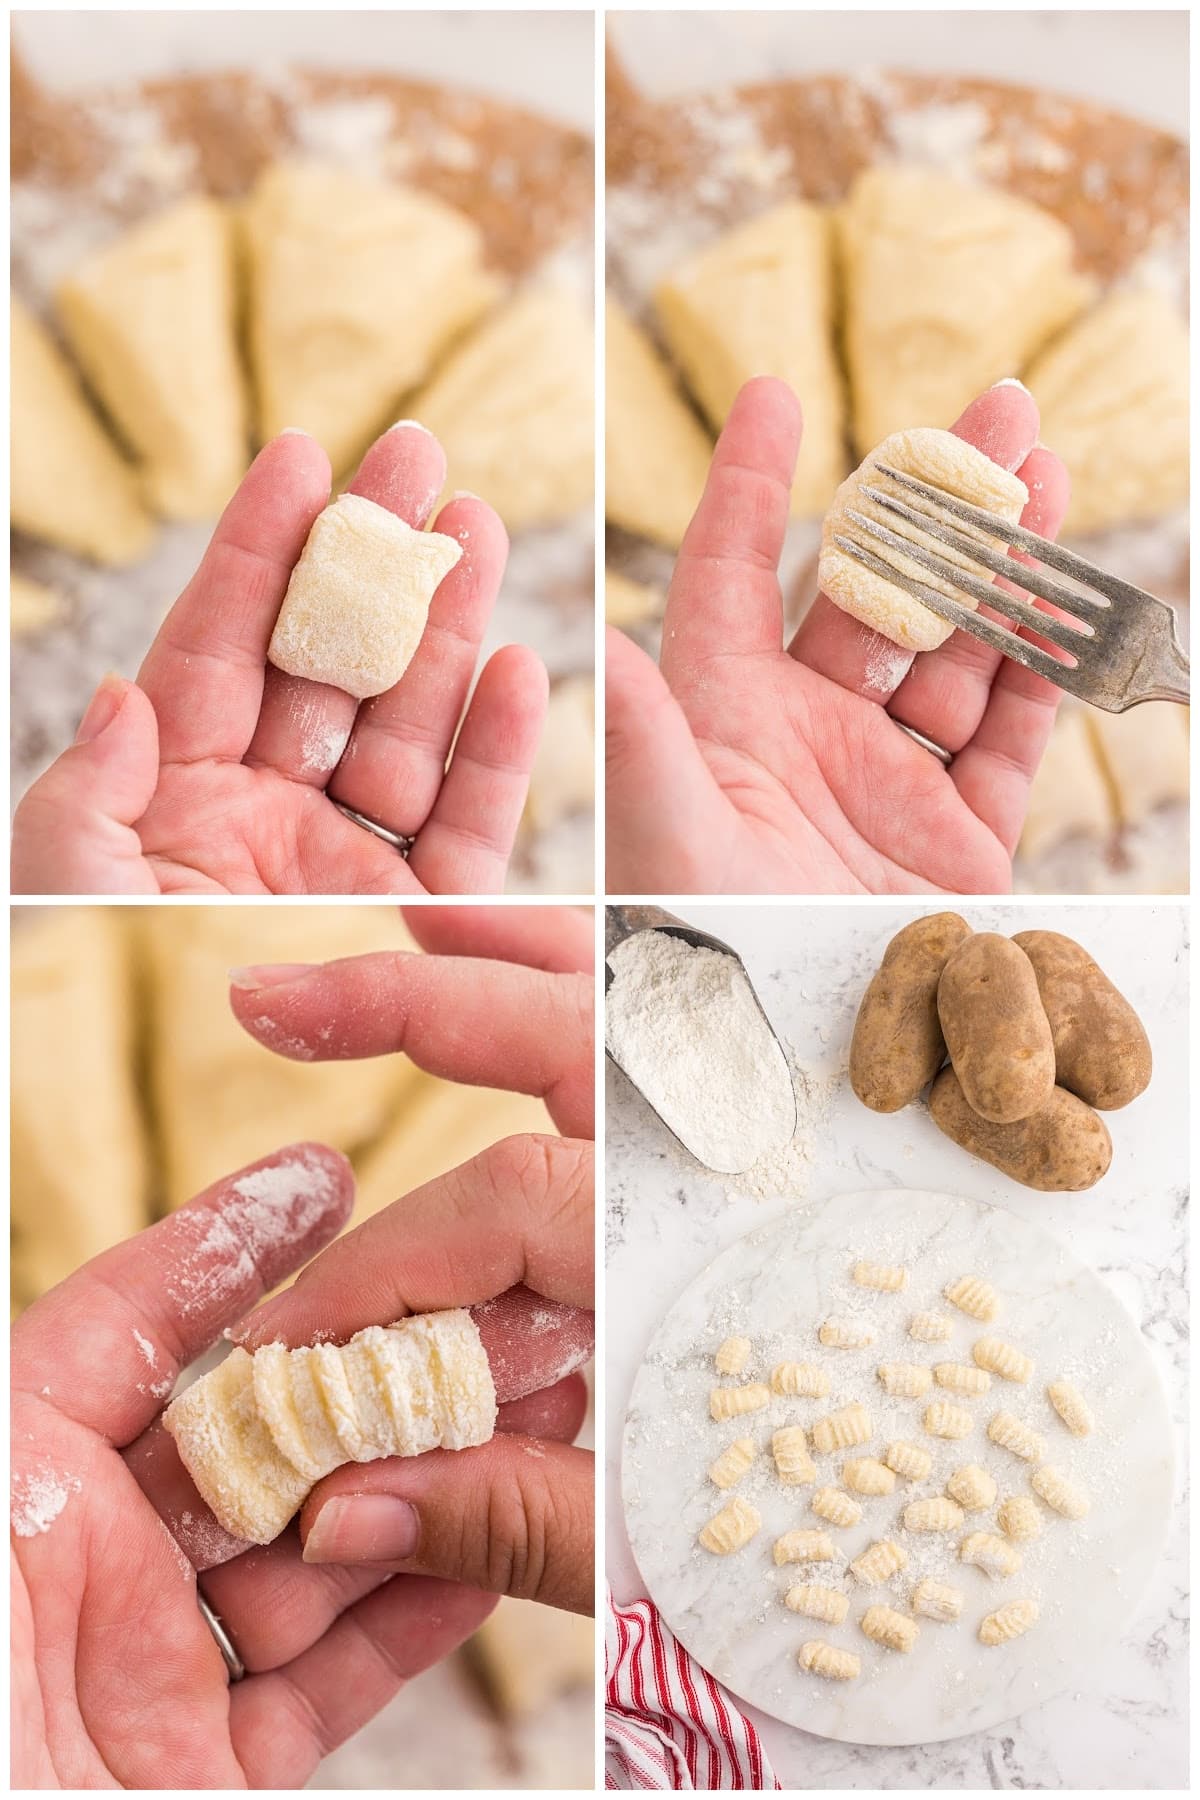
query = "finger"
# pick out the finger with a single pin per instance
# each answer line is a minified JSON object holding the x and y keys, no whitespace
{"x":513,"y":1516}
{"x":724,"y":598}
{"x":283,"y":1722}
{"x":1003,"y":424}
{"x":396,"y":760}
{"x":304,"y":726}
{"x":665,"y":814}
{"x":73,"y":831}
{"x":117,"y":1333}
{"x":518,"y":1215}
{"x":464,"y":846}
{"x":558,"y":939}
{"x":204,"y":671}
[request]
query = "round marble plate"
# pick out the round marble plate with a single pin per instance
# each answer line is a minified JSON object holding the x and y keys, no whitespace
{"x":775,"y":1286}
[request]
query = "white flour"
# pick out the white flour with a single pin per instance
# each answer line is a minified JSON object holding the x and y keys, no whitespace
{"x":684,"y":1025}
{"x":37,"y":1500}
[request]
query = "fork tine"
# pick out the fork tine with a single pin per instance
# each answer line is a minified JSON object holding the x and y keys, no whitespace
{"x":1034,"y":581}
{"x":1040,"y":662}
{"x":1055,"y":631}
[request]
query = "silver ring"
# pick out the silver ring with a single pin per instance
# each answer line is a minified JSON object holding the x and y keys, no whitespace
{"x":400,"y":844}
{"x":943,"y":756}
{"x":224,"y":1642}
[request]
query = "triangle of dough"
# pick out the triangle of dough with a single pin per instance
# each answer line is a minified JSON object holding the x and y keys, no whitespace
{"x":1145,"y":756}
{"x":69,"y":485}
{"x":356,"y":289}
{"x":528,"y":1654}
{"x":79,"y":1163}
{"x":949,"y":288}
{"x":1069,"y":796}
{"x":760,"y":301}
{"x":438,"y":1125}
{"x":513,"y":409}
{"x":1113,"y":393}
{"x":153,"y":321}
{"x":656,"y":451}
{"x":32,"y":606}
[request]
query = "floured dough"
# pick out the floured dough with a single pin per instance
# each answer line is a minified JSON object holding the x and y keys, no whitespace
{"x":630,"y":602}
{"x":564,"y":775}
{"x":944,"y":461}
{"x":357,"y":287}
{"x":436,"y":1126}
{"x":359,"y":596}
{"x":530,"y":1653}
{"x":153,"y":321}
{"x":656,"y":451}
{"x":258,"y":1432}
{"x":1144,"y":754}
{"x":513,"y":409}
{"x":1069,"y":797}
{"x":760,"y":301}
{"x":948,"y":289}
{"x":32,"y":606}
{"x":68,"y":484}
{"x":1113,"y":393}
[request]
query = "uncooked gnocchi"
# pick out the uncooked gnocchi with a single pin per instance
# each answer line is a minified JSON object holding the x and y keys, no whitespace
{"x":946,"y":1421}
{"x":888,"y":1278}
{"x":827,"y":1660}
{"x":908,"y":1461}
{"x":732,"y":1528}
{"x":962,"y":1378}
{"x":804,"y":1546}
{"x":999,"y":1358}
{"x":842,"y":1430}
{"x":972,"y":1487}
{"x":866,"y":1475}
{"x":817,"y":1602}
{"x":1020,"y":1518}
{"x":732,"y":1356}
{"x":1071,"y":1408}
{"x":937,"y":1600}
{"x":904,"y":1381}
{"x":975,"y":1297}
{"x":726,"y":1470}
{"x":1061,"y":1495}
{"x":879,"y":1562}
{"x":883,"y":1625}
{"x":846,"y":1334}
{"x":1013,"y":1434}
{"x":839,"y":1509}
{"x":990,"y":1553}
{"x":930,"y":1327}
{"x":1007,"y":1622}
{"x":793,"y":1464}
{"x":800,"y":1380}
{"x":935,"y":1514}
{"x":729,"y":1402}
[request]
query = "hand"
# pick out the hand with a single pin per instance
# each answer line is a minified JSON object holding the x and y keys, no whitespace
{"x":510,"y":1234}
{"x":215,"y":772}
{"x":748,"y":767}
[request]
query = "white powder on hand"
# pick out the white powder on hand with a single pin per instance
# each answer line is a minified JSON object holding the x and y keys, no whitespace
{"x":683,"y":1024}
{"x":37,"y":1500}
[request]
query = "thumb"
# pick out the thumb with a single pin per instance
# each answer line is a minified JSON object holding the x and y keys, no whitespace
{"x":664,"y":809}
{"x":73,"y":831}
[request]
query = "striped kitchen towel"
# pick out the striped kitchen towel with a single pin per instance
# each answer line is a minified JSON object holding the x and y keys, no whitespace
{"x":666,"y":1722}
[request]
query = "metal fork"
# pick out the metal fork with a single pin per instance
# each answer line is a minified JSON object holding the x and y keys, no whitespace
{"x":1117,"y":662}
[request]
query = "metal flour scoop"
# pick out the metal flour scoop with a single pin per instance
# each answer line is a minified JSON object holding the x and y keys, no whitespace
{"x":623,"y":922}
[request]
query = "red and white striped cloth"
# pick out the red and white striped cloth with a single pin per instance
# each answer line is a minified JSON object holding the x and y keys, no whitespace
{"x":666,"y":1722}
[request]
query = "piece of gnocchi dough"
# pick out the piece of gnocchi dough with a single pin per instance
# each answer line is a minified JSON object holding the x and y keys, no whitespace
{"x":972,"y":1487}
{"x":990,"y":1553}
{"x":726,"y":1470}
{"x":846,"y":1334}
{"x":1061,"y":1495}
{"x":839,"y":1509}
{"x":886,"y":1278}
{"x":731,"y":1529}
{"x":930,"y":1327}
{"x":909,"y":1461}
{"x":904,"y":1381}
{"x":843,"y":1429}
{"x":816,"y":1602}
{"x":257,"y":1432}
{"x":1020,"y":1519}
{"x":938,"y":1513}
{"x":999,"y":1358}
{"x":804,"y":1546}
{"x":884,"y":1625}
{"x":866,"y":1475}
{"x":937,"y":1600}
{"x":828,"y":1661}
{"x":962,"y":1378}
{"x":655,"y":449}
{"x":793,"y":1464}
{"x":977,"y":1298}
{"x":1008,"y":1622}
{"x":804,"y":1380}
{"x":945,"y":462}
{"x":946,"y":1421}
{"x":1071,"y":1408}
{"x":1013,"y":1434}
{"x":732,"y":1356}
{"x":730,"y":1402}
{"x":358,"y":600}
{"x":879,"y":1562}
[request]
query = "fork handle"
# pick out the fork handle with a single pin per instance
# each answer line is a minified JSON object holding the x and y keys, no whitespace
{"x":1165,"y":676}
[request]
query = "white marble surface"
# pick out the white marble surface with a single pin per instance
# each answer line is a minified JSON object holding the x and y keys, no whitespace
{"x":1122,"y":1723}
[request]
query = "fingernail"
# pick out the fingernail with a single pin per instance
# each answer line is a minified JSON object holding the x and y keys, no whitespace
{"x":410,"y":425}
{"x":263,"y":975}
{"x":294,"y":431}
{"x":363,"y":1528}
{"x":463,"y":494}
{"x":102,"y":709}
{"x":1010,"y":381}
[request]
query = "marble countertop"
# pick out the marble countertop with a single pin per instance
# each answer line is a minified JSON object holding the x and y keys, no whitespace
{"x":1124,"y":1725}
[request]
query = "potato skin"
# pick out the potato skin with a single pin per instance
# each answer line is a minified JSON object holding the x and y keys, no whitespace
{"x":897,"y":1047}
{"x":1061,"y":1149}
{"x":1101,"y":1050}
{"x":996,"y":1028}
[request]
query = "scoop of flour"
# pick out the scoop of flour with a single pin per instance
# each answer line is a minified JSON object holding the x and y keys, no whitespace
{"x":683,"y":1023}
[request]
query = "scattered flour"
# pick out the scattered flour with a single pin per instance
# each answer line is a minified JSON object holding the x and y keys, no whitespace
{"x":220,"y":1254}
{"x":146,"y":1347}
{"x":38,"y":1499}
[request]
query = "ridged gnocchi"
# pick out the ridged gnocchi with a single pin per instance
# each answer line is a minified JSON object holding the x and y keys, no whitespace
{"x":839,"y":1509}
{"x":826,"y":1660}
{"x":930,"y":1327}
{"x":846,"y":1334}
{"x":843,"y":1429}
{"x":908,"y":1461}
{"x":944,"y":1420}
{"x":883,"y":1625}
{"x":879,"y":1562}
{"x":1071,"y":1408}
{"x":886,"y":1278}
{"x":1013,"y":1434}
{"x":1005,"y":1360}
{"x":732,"y":1356}
{"x":977,"y":1298}
{"x":804,"y":1546}
{"x":731,"y":1402}
{"x":1020,"y":1518}
{"x":990,"y":1553}
{"x":793,"y":1464}
{"x":937,"y":1600}
{"x":962,"y":1378}
{"x":1060,"y":1494}
{"x":935,"y":1514}
{"x":816,"y":1602}
{"x":867,"y":1475}
{"x":904,"y":1381}
{"x":972,"y":1487}
{"x":1008,"y":1622}
{"x":726,"y":1470}
{"x":800,"y":1380}
{"x":732,"y":1528}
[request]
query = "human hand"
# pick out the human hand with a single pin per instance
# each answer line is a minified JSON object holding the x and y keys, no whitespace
{"x":749,"y":767}
{"x":217,"y":773}
{"x":501,"y":1002}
